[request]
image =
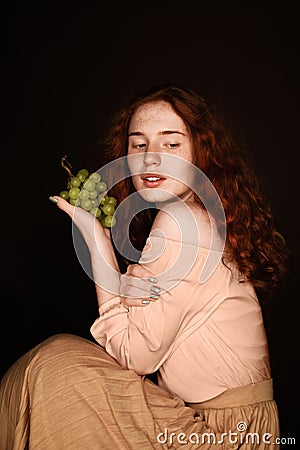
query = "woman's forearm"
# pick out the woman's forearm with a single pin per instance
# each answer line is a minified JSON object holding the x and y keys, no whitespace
{"x":106,"y":273}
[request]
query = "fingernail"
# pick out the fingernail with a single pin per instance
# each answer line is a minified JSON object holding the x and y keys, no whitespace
{"x":145,"y":302}
{"x":53,"y":199}
{"x":155,"y":289}
{"x":154,"y":297}
{"x":152,"y":280}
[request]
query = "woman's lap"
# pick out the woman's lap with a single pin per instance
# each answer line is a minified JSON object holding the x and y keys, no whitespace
{"x":68,"y":393}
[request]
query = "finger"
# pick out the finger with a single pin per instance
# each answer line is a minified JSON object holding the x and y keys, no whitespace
{"x":127,"y":282}
{"x":137,"y":288}
{"x":63,"y":204}
{"x":142,"y":302}
{"x":134,"y":292}
{"x":137,"y":270}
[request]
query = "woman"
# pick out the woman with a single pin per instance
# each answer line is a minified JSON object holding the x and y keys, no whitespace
{"x":187,"y":309}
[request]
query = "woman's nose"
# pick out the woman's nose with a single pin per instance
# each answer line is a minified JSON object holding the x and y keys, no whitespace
{"x":152,"y":157}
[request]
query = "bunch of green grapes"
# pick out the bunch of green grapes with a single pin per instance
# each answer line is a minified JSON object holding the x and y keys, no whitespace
{"x":89,"y":191}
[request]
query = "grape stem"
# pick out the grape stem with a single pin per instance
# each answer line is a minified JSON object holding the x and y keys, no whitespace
{"x":66,"y":165}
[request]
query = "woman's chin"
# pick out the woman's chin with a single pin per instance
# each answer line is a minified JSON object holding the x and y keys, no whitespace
{"x":157,"y":195}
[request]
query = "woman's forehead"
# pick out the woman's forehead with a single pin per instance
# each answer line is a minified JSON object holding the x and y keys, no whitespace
{"x":156,"y":114}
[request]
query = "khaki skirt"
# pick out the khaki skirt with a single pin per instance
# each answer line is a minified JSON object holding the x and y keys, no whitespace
{"x":68,"y":393}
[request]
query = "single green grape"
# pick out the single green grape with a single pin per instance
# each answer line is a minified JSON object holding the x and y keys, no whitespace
{"x":75,"y":182}
{"x":93,"y":194}
{"x":84,"y":194}
{"x":86,"y":204}
{"x":108,"y":221}
{"x":101,"y":186}
{"x":89,"y":185}
{"x":74,"y":192}
{"x":102,"y":199}
{"x":95,"y":202}
{"x":82,"y":174}
{"x":111,"y":201}
{"x":64,"y":194}
{"x":95,"y":211}
{"x":108,"y":209}
{"x":95,"y":177}
{"x":74,"y":201}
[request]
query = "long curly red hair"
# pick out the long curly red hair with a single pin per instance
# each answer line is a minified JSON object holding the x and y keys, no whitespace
{"x":254,"y":243}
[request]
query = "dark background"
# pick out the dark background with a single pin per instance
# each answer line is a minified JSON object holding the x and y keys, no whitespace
{"x":67,"y":69}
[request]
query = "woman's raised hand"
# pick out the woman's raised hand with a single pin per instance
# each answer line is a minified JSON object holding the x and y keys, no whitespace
{"x":86,"y":223}
{"x":138,"y":287}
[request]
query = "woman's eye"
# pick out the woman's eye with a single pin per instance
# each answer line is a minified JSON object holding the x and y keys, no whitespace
{"x":140,"y":145}
{"x":173,"y":145}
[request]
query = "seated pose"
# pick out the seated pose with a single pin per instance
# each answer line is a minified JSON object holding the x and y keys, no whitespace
{"x":180,"y":355}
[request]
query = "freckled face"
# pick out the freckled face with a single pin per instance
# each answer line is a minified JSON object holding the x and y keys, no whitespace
{"x":163,"y":147}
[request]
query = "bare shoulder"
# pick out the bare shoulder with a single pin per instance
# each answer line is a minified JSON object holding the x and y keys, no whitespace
{"x":187,"y":222}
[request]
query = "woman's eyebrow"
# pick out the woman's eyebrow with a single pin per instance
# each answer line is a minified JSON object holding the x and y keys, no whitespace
{"x":135,"y":133}
{"x":171,"y":132}
{"x":165,"y":132}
